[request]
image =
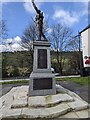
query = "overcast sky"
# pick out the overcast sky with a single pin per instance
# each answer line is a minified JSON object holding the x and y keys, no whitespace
{"x":19,"y":14}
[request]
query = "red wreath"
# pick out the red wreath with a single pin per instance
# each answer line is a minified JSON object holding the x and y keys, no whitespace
{"x":87,"y":61}
{"x":89,"y":57}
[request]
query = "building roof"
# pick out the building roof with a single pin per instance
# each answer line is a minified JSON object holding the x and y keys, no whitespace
{"x":85,"y":29}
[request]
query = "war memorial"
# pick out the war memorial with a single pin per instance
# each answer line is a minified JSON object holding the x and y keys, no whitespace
{"x":42,"y":98}
{"x":42,"y":81}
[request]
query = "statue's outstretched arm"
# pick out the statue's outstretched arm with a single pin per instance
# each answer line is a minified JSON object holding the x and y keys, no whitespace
{"x":35,"y":7}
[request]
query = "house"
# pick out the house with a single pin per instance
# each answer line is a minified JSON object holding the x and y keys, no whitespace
{"x":85,"y":37}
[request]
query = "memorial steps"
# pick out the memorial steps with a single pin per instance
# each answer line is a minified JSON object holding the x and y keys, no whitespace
{"x":17,"y":104}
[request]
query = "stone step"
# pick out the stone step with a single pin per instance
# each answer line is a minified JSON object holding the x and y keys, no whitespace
{"x":49,"y":100}
{"x":19,"y":103}
{"x":51,"y":112}
{"x":60,"y":104}
{"x":40,"y":101}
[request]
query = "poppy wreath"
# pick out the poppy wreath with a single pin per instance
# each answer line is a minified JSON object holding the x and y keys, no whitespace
{"x":85,"y":57}
{"x":89,"y":57}
{"x":87,"y":61}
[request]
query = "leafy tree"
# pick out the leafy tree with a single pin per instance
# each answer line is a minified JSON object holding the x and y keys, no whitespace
{"x":23,"y":71}
{"x":4,"y":65}
{"x":10,"y":70}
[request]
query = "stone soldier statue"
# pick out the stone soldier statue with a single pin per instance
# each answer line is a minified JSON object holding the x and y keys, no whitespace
{"x":39,"y":22}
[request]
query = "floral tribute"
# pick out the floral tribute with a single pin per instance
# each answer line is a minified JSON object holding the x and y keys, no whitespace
{"x":87,"y":60}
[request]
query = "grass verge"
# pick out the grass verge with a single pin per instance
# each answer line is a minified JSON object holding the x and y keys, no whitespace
{"x":15,"y":82}
{"x":79,"y":80}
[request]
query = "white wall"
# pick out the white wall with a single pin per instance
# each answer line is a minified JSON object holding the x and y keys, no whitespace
{"x":85,"y":36}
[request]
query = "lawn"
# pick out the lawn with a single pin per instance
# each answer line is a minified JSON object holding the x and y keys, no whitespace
{"x":80,"y":80}
{"x":15,"y":82}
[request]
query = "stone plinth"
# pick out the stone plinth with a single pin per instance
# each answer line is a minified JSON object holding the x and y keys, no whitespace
{"x":42,"y":81}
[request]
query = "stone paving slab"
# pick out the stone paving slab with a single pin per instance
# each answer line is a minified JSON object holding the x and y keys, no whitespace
{"x":69,"y":115}
{"x":45,"y":112}
{"x":21,"y":92}
{"x":78,"y":104}
{"x":20,"y":97}
{"x":78,"y":114}
{"x":3,"y":110}
{"x":12,"y":113}
{"x":45,"y":101}
{"x":1,"y":103}
{"x":83,"y":114}
{"x":19,"y":103}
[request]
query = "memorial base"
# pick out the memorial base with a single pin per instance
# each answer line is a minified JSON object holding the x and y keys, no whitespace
{"x":42,"y":84}
{"x":42,"y":81}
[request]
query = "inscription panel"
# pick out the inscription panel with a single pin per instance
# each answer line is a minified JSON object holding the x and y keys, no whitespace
{"x":42,"y":58}
{"x":42,"y":83}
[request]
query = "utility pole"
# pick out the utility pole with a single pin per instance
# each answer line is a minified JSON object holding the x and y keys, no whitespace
{"x":80,"y":53}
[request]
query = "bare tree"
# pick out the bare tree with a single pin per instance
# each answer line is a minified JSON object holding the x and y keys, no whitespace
{"x":75,"y":45}
{"x":60,"y":37}
{"x":30,"y":34}
{"x":3,"y":30}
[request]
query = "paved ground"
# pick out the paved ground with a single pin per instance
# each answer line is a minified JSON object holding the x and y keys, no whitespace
{"x":80,"y":90}
{"x":7,"y":87}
